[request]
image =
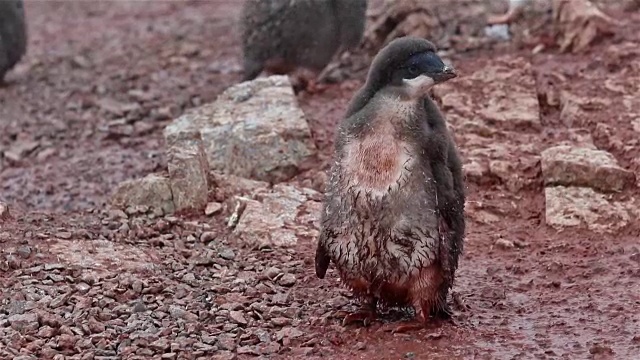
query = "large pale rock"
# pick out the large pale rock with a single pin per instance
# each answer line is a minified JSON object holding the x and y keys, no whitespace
{"x":254,"y":130}
{"x":582,"y":166}
{"x":502,"y":94}
{"x":584,"y":207}
{"x":278,"y":217}
{"x":13,"y":34}
{"x":188,"y":170}
{"x":153,"y":191}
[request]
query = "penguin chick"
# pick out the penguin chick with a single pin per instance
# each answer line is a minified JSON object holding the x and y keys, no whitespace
{"x":393,"y":213}
{"x":281,"y":36}
{"x":13,"y":35}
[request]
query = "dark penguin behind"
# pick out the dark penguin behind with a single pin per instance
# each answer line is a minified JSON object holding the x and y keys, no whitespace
{"x":282,"y":35}
{"x":393,"y":221}
{"x":13,"y":34}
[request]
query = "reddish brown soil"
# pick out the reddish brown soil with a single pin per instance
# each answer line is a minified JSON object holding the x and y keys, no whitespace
{"x":568,"y":295}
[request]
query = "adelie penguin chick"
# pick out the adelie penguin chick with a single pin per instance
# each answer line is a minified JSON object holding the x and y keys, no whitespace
{"x":393,"y":219}
{"x":13,"y":35}
{"x":283,"y":36}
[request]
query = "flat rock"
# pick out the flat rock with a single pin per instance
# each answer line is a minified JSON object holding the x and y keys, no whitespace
{"x":502,"y":94}
{"x":152,"y":190}
{"x":575,"y":110}
{"x":582,"y":206}
{"x":278,"y":217}
{"x":581,"y":166}
{"x":254,"y":129}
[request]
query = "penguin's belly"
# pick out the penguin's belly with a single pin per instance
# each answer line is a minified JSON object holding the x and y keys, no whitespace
{"x":377,"y":163}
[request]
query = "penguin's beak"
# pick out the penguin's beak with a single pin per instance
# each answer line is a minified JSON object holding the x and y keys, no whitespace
{"x":447,"y":73}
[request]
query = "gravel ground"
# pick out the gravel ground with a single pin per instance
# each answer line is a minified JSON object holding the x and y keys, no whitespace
{"x":85,"y":110}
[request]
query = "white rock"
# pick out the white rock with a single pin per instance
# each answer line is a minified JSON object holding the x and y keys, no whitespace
{"x":581,"y":166}
{"x":280,"y":217}
{"x":153,"y":191}
{"x":254,"y":130}
{"x":582,"y":206}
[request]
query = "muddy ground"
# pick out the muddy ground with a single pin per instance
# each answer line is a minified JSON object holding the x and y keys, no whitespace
{"x":74,"y":287}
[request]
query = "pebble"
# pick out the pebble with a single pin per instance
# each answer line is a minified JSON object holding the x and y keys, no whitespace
{"x":237,"y":317}
{"x":83,"y":288}
{"x":272,"y":272}
{"x":95,"y":326}
{"x":227,"y":254}
{"x":24,"y":251}
{"x":24,"y":322}
{"x":212,"y":208}
{"x":207,"y":236}
{"x":178,"y":313}
{"x":504,"y":244}
{"x":287,"y":280}
{"x":225,"y":342}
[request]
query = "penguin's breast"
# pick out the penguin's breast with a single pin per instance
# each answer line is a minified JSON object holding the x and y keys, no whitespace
{"x":377,"y":163}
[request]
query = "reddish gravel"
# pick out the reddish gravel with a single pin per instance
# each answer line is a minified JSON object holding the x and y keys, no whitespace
{"x":85,"y":110}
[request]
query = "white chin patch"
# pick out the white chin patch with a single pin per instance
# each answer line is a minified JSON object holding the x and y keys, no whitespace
{"x":419,"y":86}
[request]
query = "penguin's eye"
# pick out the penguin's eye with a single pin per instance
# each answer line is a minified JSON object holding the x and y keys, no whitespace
{"x":413,"y":70}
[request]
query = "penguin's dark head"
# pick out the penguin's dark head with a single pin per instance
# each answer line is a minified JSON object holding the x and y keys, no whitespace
{"x":410,"y":65}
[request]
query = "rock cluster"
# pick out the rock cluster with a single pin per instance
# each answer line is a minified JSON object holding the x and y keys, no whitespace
{"x":494,"y":122}
{"x":254,"y":130}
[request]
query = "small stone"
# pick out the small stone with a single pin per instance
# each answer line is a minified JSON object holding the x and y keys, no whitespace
{"x":272,"y":272}
{"x":169,"y":356}
{"x":268,"y":348}
{"x":208,"y":236}
{"x":227,"y":254}
{"x":224,"y":355}
{"x":178,"y":313}
{"x":139,"y":307}
{"x":212,"y":208}
{"x":83,"y":288}
{"x":225,"y":342}
{"x":160,"y":345}
{"x":237,"y":317}
{"x":24,"y":251}
{"x":287,"y":280}
{"x":280,"y":321}
{"x":54,"y":266}
{"x":47,"y":332}
{"x":24,"y":322}
{"x":95,"y":326}
{"x":504,"y":244}
{"x":63,"y":235}
{"x":13,"y":262}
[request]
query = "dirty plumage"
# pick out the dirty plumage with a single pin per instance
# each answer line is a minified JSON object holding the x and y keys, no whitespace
{"x":13,"y":34}
{"x":393,"y":218}
{"x":282,"y":35}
